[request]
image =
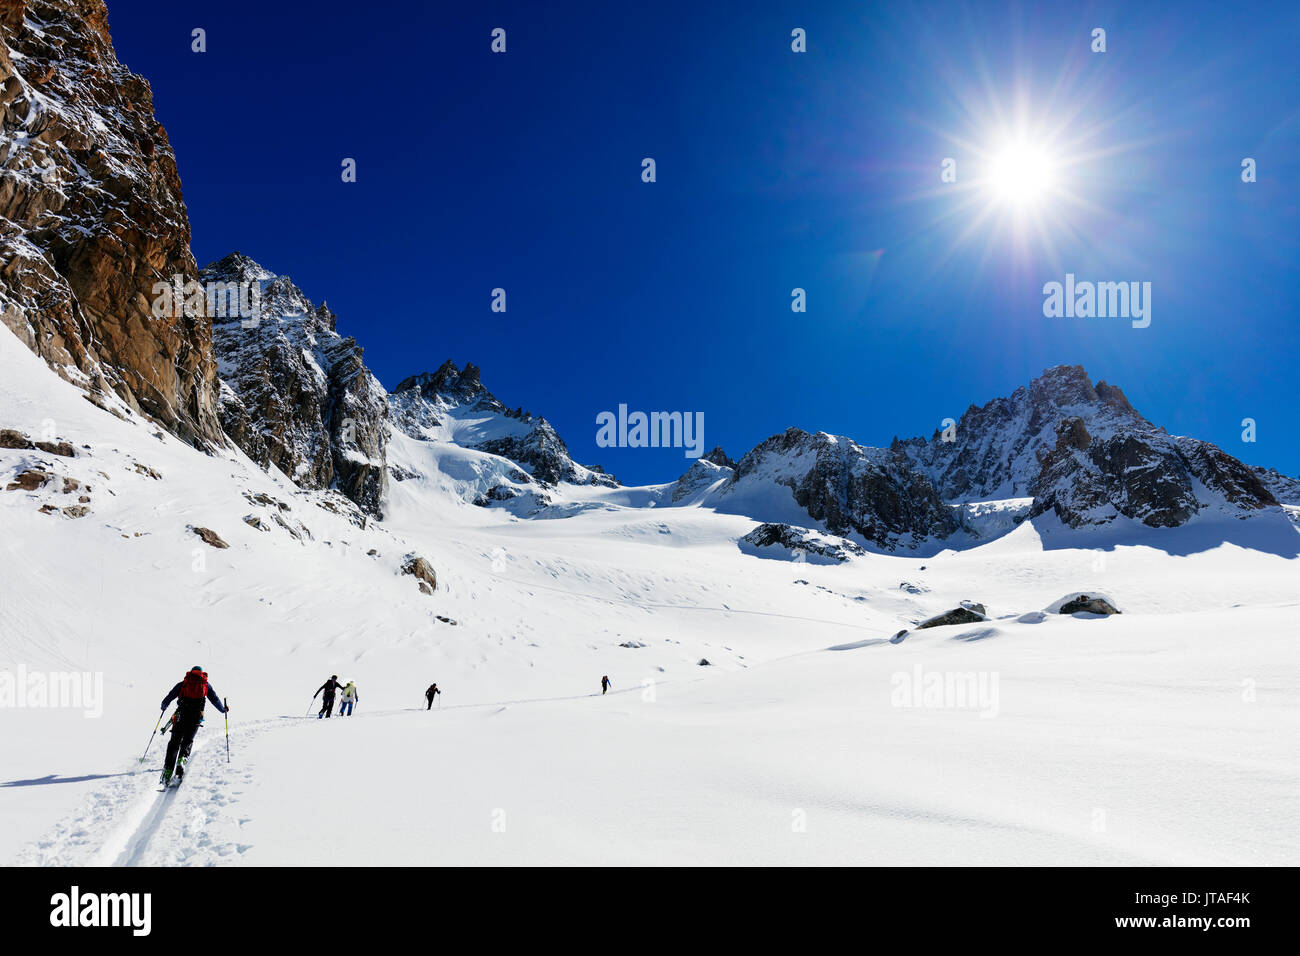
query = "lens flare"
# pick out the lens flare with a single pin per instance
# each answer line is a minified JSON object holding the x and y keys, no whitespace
{"x":1021,"y":174}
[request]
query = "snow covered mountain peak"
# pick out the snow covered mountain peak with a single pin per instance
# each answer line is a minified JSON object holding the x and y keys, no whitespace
{"x":452,"y":405}
{"x":238,"y":267}
{"x":294,"y":393}
{"x":449,"y":382}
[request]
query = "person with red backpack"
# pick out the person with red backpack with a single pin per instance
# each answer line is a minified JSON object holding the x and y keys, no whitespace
{"x":190,"y":695}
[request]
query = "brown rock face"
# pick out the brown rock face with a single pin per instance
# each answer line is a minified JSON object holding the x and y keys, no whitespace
{"x":91,"y":217}
{"x":14,"y":439}
{"x":422,"y":571}
{"x":1090,"y":605}
{"x":210,"y":537}
{"x":29,"y":480}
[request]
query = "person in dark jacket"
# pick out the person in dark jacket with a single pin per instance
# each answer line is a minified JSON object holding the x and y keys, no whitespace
{"x":190,"y":695}
{"x":170,"y":725}
{"x":430,"y":694}
{"x":327,"y":702}
{"x":604,"y":684}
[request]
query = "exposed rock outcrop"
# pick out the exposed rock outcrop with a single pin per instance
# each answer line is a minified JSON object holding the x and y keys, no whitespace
{"x":798,"y":544}
{"x":847,"y":487}
{"x":210,"y":537}
{"x":29,"y":480}
{"x":91,"y":218}
{"x":10,"y":438}
{"x":296,"y":394}
{"x":968,"y":613}
{"x":1089,"y":604}
{"x":422,"y":571}
{"x":1286,"y":490}
{"x":1085,"y":454}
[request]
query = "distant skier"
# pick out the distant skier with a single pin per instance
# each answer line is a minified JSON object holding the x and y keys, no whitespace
{"x":327,"y":702}
{"x":430,"y":694}
{"x":190,"y":696}
{"x":350,"y":698}
{"x":604,"y":684}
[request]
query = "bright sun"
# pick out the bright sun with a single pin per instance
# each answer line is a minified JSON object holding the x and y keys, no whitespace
{"x":1021,"y":174}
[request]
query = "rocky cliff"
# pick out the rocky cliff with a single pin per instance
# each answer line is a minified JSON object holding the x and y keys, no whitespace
{"x":1084,"y":453}
{"x":1078,"y":451}
{"x":91,"y":219}
{"x":846,"y":486}
{"x":295,"y":394}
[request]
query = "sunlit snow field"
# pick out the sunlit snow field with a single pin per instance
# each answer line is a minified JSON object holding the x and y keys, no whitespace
{"x":1164,"y":735}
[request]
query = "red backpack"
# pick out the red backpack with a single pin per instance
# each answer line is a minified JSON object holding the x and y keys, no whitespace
{"x":194,"y":686}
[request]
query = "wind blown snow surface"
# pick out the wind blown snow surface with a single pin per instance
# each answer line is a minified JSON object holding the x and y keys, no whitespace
{"x":1163,"y":735}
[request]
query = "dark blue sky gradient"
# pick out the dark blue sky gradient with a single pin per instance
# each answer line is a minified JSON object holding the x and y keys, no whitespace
{"x":775,"y":170}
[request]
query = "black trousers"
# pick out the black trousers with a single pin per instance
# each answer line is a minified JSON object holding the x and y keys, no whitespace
{"x":182,"y":739}
{"x":430,"y":707}
{"x":326,"y":707}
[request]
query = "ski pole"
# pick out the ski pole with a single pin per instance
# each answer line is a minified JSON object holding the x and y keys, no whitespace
{"x":151,"y":736}
{"x":225,"y":701}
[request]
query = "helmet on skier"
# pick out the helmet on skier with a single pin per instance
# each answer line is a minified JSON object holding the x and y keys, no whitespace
{"x":196,"y":667}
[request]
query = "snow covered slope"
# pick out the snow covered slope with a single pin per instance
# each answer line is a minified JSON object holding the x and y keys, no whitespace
{"x":1164,"y":734}
{"x":501,"y":456}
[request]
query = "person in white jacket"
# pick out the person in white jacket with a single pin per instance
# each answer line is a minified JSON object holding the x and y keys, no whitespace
{"x":350,"y":698}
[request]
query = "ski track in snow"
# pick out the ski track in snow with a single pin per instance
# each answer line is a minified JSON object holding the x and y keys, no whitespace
{"x":190,"y":824}
{"x":145,"y":827}
{"x":1175,"y":721}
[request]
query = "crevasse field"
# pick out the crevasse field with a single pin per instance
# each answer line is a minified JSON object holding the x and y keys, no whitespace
{"x":1164,"y":735}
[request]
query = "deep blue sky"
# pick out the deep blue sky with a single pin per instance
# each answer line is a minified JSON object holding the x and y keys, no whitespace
{"x":775,"y":170}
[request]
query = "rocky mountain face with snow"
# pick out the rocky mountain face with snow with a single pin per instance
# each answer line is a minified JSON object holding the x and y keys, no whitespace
{"x":1083,"y":453}
{"x":847,"y":487}
{"x":707,"y":470}
{"x":452,"y":404}
{"x":1284,"y":489}
{"x":1073,"y":449}
{"x":295,"y":394}
{"x":94,"y":234}
{"x":91,"y":218}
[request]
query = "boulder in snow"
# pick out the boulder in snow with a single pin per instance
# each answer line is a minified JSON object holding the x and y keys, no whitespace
{"x":13,"y":439}
{"x":209,"y":537}
{"x":799,"y":544}
{"x":60,"y":448}
{"x":968,"y":613}
{"x":422,"y":571}
{"x":29,"y":480}
{"x":1092,"y":603}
